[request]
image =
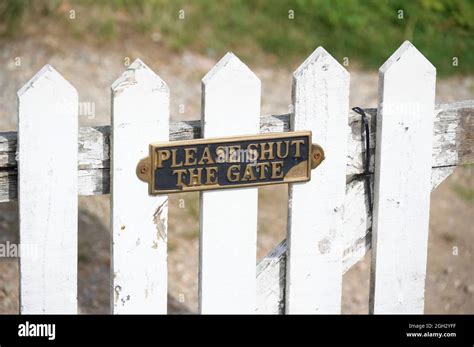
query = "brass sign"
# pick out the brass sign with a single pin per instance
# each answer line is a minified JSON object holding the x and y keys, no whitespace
{"x":229,"y":162}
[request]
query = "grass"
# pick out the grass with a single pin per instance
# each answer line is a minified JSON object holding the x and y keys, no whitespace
{"x":286,"y":31}
{"x":463,"y":186}
{"x":464,"y":192}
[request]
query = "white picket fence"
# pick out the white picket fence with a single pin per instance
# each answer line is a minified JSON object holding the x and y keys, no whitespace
{"x":329,"y":224}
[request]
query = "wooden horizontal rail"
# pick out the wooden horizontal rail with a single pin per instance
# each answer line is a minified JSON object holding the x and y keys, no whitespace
{"x":453,"y":143}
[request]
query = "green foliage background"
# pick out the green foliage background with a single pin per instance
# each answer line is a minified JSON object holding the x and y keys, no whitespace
{"x":366,"y":31}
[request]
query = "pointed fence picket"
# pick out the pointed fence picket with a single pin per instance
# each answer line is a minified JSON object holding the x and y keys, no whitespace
{"x":330,"y":222}
{"x":228,"y":220}
{"x":402,"y":182}
{"x":47,"y":193}
{"x":140,"y":115}
{"x":315,"y":221}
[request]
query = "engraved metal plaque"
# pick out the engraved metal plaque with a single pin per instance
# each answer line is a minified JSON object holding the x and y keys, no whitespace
{"x":229,"y":162}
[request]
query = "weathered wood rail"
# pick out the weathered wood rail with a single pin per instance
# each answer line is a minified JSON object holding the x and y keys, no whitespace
{"x":453,"y":143}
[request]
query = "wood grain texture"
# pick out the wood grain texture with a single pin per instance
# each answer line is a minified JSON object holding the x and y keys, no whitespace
{"x":402,"y":182}
{"x":228,"y":219}
{"x":47,"y":190}
{"x":271,"y":275}
{"x":453,"y":143}
{"x":356,"y":243}
{"x":140,"y":115}
{"x":315,"y":211}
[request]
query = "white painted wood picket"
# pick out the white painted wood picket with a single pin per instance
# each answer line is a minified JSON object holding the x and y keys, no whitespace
{"x":228,"y":220}
{"x":140,"y":115}
{"x":321,"y":104}
{"x":402,"y":182}
{"x":415,"y":147}
{"x":47,"y":193}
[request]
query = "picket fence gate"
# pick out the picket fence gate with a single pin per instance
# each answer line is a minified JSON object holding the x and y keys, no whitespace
{"x":50,"y":161}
